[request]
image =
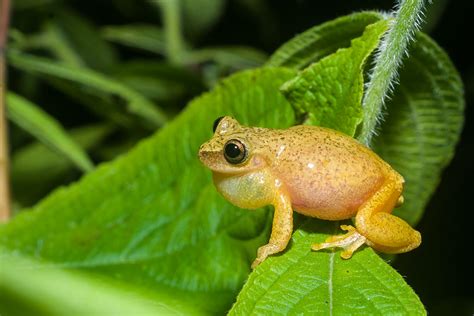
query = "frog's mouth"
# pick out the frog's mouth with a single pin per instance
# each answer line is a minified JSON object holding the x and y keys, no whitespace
{"x":216,"y":162}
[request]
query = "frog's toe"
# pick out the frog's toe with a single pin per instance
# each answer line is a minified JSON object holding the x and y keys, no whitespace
{"x":350,"y":242}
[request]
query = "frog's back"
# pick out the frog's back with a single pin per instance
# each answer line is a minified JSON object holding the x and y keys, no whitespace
{"x":328,"y":174}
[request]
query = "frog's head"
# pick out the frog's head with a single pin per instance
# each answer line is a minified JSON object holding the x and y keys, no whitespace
{"x":232,"y":148}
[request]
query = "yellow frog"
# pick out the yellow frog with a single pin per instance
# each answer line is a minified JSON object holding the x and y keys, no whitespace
{"x":314,"y":171}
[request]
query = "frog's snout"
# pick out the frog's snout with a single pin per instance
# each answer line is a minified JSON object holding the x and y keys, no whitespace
{"x":205,"y":153}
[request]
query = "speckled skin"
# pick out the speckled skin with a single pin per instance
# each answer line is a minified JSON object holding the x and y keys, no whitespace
{"x":315,"y":171}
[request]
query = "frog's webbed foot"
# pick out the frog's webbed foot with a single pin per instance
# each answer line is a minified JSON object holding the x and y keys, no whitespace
{"x":349,"y":241}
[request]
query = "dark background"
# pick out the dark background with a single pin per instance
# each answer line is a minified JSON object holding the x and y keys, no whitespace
{"x":440,"y":271}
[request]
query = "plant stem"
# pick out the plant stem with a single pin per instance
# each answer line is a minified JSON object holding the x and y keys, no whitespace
{"x":170,"y":11}
{"x":388,"y":59}
{"x":4,"y":167}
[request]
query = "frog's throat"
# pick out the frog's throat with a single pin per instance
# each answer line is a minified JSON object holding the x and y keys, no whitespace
{"x":248,"y":190}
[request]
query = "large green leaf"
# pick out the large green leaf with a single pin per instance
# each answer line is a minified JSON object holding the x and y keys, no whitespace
{"x":322,"y":40}
{"x":329,"y":93}
{"x":423,"y":123}
{"x":30,"y":288}
{"x":96,"y":83}
{"x":46,"y":129}
{"x":35,"y":169}
{"x":153,"y":217}
{"x":302,"y":282}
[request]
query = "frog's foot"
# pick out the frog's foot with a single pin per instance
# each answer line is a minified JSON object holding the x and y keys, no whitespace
{"x":263,"y":252}
{"x":349,"y":241}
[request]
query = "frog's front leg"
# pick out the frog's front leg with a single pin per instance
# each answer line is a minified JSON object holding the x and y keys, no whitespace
{"x":282,"y":228}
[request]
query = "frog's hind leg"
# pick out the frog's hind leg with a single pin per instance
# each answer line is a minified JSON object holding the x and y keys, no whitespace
{"x":384,"y":231}
{"x":376,"y":227}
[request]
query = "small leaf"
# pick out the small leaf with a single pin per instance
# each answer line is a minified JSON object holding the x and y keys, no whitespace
{"x":142,"y":36}
{"x":153,"y":217}
{"x":31,"y":288}
{"x":322,"y":40}
{"x":304,"y":282}
{"x":423,"y":123}
{"x":46,"y":129}
{"x":329,"y":92}
{"x":95,"y":81}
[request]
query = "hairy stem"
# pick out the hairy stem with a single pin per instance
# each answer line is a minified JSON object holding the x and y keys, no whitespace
{"x":171,"y":15}
{"x":4,"y":179}
{"x":388,"y":59}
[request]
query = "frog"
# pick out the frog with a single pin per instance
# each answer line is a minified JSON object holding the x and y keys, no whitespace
{"x":315,"y":171}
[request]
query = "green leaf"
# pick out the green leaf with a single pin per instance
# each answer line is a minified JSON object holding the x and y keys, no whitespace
{"x":142,"y":36}
{"x":303,"y":282}
{"x":153,"y":216}
{"x":322,"y":40}
{"x":329,"y":93}
{"x":35,"y":169}
{"x":69,"y":37}
{"x":46,"y":129}
{"x":423,"y":123}
{"x":238,"y":57}
{"x":81,"y":35}
{"x":158,"y":80}
{"x":200,"y":15}
{"x":31,"y":288}
{"x":94,"y":81}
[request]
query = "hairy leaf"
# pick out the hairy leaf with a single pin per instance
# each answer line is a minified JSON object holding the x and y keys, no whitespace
{"x":322,"y":40}
{"x":303,"y":282}
{"x":46,"y":129}
{"x":387,"y":61}
{"x":96,"y":82}
{"x":423,"y":123}
{"x":153,"y":217}
{"x":30,"y":288}
{"x":329,"y":93}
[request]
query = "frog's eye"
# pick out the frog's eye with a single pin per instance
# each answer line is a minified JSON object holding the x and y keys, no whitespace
{"x":216,"y":123}
{"x":235,"y":151}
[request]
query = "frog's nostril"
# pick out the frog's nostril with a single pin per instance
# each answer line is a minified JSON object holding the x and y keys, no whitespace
{"x":202,"y":154}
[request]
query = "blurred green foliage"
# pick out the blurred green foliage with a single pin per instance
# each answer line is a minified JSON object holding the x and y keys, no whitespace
{"x":150,"y":222}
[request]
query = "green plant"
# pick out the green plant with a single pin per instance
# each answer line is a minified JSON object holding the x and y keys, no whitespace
{"x":152,"y":223}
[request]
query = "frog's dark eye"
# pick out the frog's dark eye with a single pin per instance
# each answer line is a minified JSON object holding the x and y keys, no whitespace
{"x":216,"y":123}
{"x":235,"y":151}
